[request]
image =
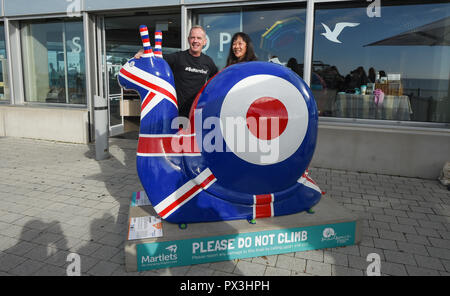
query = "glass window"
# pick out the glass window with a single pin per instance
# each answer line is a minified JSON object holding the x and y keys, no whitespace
{"x":278,"y":34}
{"x":392,"y":63}
{"x":122,"y":39}
{"x":5,"y":95}
{"x":53,"y":61}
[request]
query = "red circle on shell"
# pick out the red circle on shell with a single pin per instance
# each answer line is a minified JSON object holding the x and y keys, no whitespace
{"x":262,"y":114}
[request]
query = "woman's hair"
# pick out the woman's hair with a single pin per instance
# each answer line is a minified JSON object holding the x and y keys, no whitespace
{"x":249,"y":53}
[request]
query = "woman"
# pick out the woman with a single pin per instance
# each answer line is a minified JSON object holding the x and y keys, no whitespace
{"x":241,"y":49}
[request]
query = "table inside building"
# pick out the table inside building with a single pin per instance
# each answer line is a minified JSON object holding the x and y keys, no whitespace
{"x":364,"y":106}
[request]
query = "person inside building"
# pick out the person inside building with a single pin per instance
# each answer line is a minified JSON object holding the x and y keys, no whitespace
{"x":241,"y":49}
{"x":191,"y":69}
{"x":372,"y":75}
{"x":293,"y":65}
{"x":355,"y":79}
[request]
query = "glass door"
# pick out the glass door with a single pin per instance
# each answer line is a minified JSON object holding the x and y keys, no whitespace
{"x":106,"y":72}
{"x":121,"y":42}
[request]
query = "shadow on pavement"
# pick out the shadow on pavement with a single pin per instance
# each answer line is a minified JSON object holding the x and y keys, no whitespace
{"x":120,"y":177}
{"x":41,"y":250}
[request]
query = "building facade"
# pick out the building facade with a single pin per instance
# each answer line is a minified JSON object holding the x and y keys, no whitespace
{"x":379,"y":70}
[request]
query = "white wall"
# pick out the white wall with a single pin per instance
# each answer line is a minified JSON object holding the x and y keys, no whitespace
{"x":58,"y":124}
{"x":408,"y":151}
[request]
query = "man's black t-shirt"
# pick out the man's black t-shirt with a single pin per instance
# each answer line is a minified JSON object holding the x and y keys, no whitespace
{"x":190,"y":74}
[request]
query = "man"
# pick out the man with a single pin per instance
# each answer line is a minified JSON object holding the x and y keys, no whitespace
{"x":191,"y":69}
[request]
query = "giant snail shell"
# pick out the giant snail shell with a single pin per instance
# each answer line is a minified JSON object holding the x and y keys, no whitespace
{"x":245,"y":154}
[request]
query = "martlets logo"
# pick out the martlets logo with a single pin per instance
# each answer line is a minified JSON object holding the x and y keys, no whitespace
{"x":329,"y":234}
{"x":163,"y":258}
{"x":172,"y":248}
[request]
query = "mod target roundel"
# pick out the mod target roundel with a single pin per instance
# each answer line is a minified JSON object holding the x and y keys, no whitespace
{"x":266,"y":112}
{"x":267,"y":131}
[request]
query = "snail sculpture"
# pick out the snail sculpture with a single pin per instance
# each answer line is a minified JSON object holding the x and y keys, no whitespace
{"x":251,"y":136}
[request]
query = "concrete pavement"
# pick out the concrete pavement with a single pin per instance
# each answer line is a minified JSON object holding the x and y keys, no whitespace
{"x":56,"y":199}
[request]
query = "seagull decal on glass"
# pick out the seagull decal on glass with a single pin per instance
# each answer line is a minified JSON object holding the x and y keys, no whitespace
{"x":333,"y":35}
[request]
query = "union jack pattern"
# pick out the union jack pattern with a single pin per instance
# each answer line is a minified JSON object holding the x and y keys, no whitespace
{"x":263,"y":206}
{"x":185,"y":193}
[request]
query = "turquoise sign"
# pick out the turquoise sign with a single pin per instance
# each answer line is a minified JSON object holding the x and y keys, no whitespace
{"x":243,"y":245}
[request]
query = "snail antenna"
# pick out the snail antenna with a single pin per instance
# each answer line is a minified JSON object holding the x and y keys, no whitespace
{"x":148,"y":52}
{"x":158,"y":44}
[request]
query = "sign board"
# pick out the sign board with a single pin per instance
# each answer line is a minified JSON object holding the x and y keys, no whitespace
{"x":243,"y":245}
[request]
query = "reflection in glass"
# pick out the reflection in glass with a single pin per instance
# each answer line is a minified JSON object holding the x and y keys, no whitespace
{"x":393,"y":67}
{"x":277,"y":34}
{"x":76,"y":74}
{"x":53,"y":61}
{"x":5,"y":94}
{"x":122,"y":43}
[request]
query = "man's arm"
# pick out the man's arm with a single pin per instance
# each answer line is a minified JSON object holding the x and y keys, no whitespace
{"x":139,"y":54}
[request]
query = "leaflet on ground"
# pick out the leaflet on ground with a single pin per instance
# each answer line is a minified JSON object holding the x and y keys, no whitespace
{"x":139,"y":199}
{"x":144,"y":227}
